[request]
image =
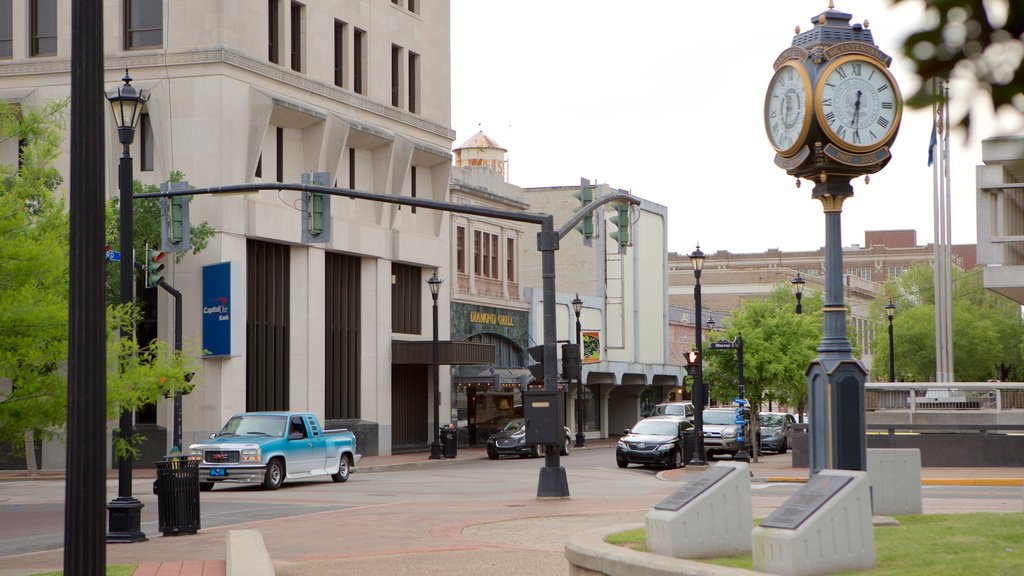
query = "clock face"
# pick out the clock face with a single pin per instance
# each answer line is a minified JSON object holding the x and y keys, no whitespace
{"x":787,"y":108}
{"x":858,"y":104}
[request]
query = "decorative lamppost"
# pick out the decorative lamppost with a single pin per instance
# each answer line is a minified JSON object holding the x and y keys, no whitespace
{"x":435,"y":447}
{"x":125,"y":512}
{"x":890,"y":311}
{"x":697,"y":263}
{"x":581,"y":439}
{"x":798,"y":289}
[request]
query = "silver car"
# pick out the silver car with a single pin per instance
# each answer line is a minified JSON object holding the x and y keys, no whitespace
{"x":720,"y":429}
{"x":776,"y":431}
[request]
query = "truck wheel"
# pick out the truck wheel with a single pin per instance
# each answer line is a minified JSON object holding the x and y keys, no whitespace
{"x":566,"y":447}
{"x":621,"y":463}
{"x":205,"y":486}
{"x":782,"y":449}
{"x":677,"y":459}
{"x":344,"y":469}
{"x":275,"y":474}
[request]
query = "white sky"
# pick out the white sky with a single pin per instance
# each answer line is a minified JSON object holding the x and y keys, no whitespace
{"x":665,"y":98}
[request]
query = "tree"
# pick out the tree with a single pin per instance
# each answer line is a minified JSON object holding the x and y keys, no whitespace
{"x":980,"y":39}
{"x":34,"y":244}
{"x":988,"y":333}
{"x":778,"y":345}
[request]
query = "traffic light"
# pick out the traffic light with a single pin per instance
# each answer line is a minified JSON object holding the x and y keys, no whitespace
{"x":537,"y":353}
{"x":174,"y":219}
{"x":586,"y":196}
{"x":621,"y":220}
{"x":571,"y":365}
{"x":316,"y":214}
{"x":692,"y":360}
{"x":154,"y":267}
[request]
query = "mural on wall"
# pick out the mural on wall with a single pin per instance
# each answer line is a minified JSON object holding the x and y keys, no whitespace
{"x":591,"y":346}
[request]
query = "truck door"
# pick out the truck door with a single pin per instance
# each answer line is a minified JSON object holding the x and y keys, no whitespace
{"x":300,"y":447}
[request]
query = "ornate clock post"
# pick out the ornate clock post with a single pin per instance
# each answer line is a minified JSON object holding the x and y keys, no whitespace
{"x":831,"y":112}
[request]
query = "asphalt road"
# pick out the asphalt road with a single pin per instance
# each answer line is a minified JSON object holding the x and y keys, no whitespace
{"x":447,"y":513}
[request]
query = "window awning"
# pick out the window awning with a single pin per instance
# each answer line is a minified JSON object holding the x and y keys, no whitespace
{"x":448,"y":352}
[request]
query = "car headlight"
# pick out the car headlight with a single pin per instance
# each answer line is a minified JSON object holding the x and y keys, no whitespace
{"x":664,"y":447}
{"x":251,"y":455}
{"x":622,"y":444}
{"x":195,"y":452}
{"x":520,"y":439}
{"x":729,"y":433}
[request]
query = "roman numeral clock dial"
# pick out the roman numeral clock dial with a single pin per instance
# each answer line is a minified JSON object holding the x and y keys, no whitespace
{"x":787,"y":108}
{"x":857,"y":103}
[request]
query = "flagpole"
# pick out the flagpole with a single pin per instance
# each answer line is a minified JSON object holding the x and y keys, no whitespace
{"x":947,"y":261}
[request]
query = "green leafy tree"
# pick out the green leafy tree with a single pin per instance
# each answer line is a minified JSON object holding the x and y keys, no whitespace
{"x":988,"y":333}
{"x":778,"y":345}
{"x":34,"y":240}
{"x":981,"y":39}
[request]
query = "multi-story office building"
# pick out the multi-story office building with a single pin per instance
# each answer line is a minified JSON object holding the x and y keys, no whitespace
{"x":1000,"y":193}
{"x":263,"y":91}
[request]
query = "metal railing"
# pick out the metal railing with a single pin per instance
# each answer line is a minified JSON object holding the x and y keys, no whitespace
{"x":924,"y":396}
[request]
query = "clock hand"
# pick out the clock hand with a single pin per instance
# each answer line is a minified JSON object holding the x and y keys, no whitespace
{"x":856,"y":115}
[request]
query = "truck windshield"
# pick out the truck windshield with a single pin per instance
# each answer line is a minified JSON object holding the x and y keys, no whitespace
{"x":719,"y":417}
{"x":254,"y":425}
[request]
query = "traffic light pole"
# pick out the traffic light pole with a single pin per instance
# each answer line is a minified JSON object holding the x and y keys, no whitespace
{"x":176,"y":432}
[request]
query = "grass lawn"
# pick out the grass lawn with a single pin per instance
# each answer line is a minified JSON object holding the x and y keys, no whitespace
{"x":116,"y":570}
{"x":925,"y":545}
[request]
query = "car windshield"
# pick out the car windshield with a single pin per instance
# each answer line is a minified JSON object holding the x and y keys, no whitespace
{"x":254,"y":425}
{"x":719,"y":417}
{"x":670,"y":409}
{"x":513,"y":425}
{"x":771,"y":419}
{"x":656,"y":427}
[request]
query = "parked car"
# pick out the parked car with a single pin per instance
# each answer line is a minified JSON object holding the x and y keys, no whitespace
{"x":720,"y":431}
{"x":776,"y":431}
{"x":511,"y":441}
{"x":657,"y":441}
{"x":682,"y":410}
{"x":268,"y":447}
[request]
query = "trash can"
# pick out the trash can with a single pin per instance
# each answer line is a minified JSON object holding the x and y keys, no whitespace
{"x":689,"y":445}
{"x":450,"y":442}
{"x":177,"y":490}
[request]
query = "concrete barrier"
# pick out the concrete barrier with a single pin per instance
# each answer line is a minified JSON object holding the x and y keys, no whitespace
{"x":895,"y":478}
{"x":247,"y":555}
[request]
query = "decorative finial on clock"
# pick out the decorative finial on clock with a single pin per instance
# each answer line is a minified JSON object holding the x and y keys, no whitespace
{"x":797,"y":182}
{"x":797,"y":29}
{"x":866,"y":24}
{"x":831,"y":5}
{"x":867,"y":179}
{"x":821,"y":19}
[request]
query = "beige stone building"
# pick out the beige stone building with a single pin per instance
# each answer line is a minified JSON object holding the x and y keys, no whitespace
{"x":263,"y":91}
{"x":1000,"y":181}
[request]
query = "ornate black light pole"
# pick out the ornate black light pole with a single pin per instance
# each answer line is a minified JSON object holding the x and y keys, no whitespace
{"x":890,"y":311}
{"x":581,"y":439}
{"x":435,"y":446}
{"x":798,"y":289}
{"x":126,"y":101}
{"x":697,"y":262}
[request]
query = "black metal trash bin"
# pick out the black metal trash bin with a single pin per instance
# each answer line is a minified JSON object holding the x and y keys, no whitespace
{"x":177,"y":490}
{"x":450,"y":442}
{"x":689,"y":445}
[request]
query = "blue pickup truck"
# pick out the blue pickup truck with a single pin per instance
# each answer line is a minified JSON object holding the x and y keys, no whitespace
{"x":268,"y":447}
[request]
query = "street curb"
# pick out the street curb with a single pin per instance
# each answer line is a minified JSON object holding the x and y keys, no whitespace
{"x":973,"y":481}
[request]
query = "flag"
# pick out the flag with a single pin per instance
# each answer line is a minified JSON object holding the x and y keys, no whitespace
{"x":931,"y":145}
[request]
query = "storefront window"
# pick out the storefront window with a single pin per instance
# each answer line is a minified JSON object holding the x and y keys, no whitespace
{"x":483,"y":408}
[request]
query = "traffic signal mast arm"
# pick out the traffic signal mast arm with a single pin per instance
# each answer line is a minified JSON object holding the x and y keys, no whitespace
{"x":589,"y":209}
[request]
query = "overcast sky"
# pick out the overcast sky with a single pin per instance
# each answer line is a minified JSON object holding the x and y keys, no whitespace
{"x":665,"y":97}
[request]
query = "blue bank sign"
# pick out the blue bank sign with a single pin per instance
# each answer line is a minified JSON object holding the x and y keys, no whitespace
{"x":222,"y":318}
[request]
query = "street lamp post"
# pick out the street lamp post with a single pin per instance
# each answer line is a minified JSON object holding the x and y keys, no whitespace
{"x":126,"y":101}
{"x":581,"y":439}
{"x":890,"y":311}
{"x":435,"y":446}
{"x":798,"y":289}
{"x":697,"y":262}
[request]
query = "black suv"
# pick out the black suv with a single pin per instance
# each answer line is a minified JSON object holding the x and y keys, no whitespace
{"x":657,"y":440}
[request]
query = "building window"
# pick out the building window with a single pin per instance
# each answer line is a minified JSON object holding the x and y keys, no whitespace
{"x":6,"y":30}
{"x":396,"y":75}
{"x":460,"y":249}
{"x":412,"y":191}
{"x":414,"y":84}
{"x":351,"y":168}
{"x":406,"y":293}
{"x":143,"y":22}
{"x":145,"y":143}
{"x":296,"y":29}
{"x":274,"y":31}
{"x":358,"y":60}
{"x":280,"y":154}
{"x":339,"y":53}
{"x":895,"y":272}
{"x":510,"y":258}
{"x":412,"y":5}
{"x":485,"y":254}
{"x":44,"y":27}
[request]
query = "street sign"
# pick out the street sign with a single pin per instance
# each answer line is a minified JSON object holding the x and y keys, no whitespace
{"x":113,"y":256}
